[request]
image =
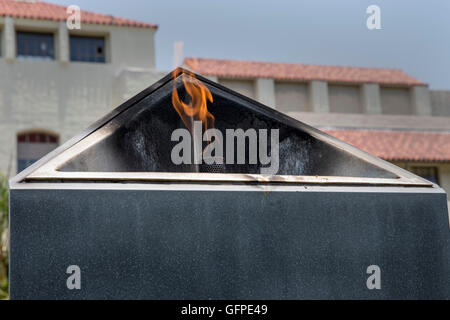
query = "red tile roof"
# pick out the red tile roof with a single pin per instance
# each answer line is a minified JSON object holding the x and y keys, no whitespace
{"x":48,"y":11}
{"x":299,"y":72}
{"x":399,"y":145}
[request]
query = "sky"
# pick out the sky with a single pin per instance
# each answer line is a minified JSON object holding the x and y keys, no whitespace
{"x":414,"y":35}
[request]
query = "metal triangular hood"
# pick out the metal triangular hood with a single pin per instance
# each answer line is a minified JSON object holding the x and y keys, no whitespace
{"x":132,"y":142}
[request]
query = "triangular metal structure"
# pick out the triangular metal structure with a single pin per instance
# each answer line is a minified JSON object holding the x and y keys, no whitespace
{"x":132,"y":143}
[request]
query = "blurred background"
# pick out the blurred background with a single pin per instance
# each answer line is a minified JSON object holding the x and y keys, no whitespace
{"x":375,"y":74}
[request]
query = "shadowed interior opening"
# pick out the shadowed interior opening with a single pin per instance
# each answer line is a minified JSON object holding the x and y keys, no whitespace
{"x":142,"y":141}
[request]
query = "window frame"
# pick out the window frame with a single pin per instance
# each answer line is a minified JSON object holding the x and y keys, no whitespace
{"x":52,"y":57}
{"x":95,"y":37}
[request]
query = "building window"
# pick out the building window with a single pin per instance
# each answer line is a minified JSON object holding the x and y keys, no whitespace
{"x":32,"y":146}
{"x":87,"y":49}
{"x":429,"y":173}
{"x":35,"y":45}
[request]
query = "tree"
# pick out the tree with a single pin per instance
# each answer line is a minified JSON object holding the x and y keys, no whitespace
{"x":4,"y":237}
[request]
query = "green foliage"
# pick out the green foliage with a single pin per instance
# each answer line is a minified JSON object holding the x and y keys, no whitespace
{"x":3,"y":237}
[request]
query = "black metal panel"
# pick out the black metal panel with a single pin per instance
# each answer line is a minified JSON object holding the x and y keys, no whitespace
{"x":229,"y":245}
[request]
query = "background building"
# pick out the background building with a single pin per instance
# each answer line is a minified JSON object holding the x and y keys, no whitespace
{"x":54,"y":82}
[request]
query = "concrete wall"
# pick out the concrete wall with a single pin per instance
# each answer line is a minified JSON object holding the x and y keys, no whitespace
{"x":318,"y":97}
{"x":440,"y":103}
{"x":420,"y":100}
{"x":370,"y":98}
{"x":344,"y":98}
{"x":244,"y":87}
{"x":64,"y":97}
{"x":291,"y":96}
{"x":395,"y":100}
{"x":265,"y":91}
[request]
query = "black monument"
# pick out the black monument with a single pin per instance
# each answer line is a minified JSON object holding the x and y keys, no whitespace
{"x":112,"y":202}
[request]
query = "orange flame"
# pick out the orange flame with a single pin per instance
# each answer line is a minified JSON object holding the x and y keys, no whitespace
{"x":196,"y":109}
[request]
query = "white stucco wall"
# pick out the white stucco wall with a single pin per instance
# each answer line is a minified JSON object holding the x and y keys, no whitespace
{"x":131,"y":81}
